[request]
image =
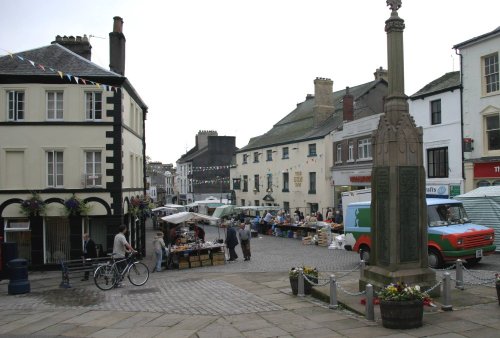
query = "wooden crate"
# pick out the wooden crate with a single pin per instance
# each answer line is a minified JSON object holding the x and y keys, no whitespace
{"x":194,"y":258}
{"x":195,"y":264}
{"x":219,"y":256}
{"x":183,"y":265}
{"x":204,"y":257}
{"x":218,"y":262}
{"x":206,"y":262}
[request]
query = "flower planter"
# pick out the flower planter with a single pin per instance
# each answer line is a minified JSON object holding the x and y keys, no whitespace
{"x":294,"y":283}
{"x":402,"y":314}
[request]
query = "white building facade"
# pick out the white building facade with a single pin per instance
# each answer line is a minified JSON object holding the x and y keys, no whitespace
{"x":481,"y":109}
{"x":436,"y":108}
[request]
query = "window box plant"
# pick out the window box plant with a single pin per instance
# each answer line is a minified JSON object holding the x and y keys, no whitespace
{"x":33,"y":206}
{"x":310,"y":272}
{"x":402,"y":306}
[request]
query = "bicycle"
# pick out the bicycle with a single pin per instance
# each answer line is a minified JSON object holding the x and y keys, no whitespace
{"x":108,"y":275}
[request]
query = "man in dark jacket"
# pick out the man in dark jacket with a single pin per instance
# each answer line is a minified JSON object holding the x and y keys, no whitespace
{"x":89,"y":251}
{"x":231,"y":242}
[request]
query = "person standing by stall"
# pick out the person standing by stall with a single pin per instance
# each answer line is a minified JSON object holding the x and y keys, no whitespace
{"x":159,"y":247}
{"x":231,"y":242}
{"x":244,"y":234}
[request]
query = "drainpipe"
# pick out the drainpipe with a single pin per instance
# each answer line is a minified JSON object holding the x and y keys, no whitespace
{"x":461,"y":114}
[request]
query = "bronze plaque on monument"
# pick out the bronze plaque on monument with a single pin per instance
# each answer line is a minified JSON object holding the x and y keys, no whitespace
{"x":408,"y":213}
{"x":382,"y":213}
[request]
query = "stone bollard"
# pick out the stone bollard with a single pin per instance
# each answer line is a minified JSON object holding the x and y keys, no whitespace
{"x":300,"y":292}
{"x":446,"y":293}
{"x":333,"y":293}
{"x":369,"y":306}
{"x":459,"y":275}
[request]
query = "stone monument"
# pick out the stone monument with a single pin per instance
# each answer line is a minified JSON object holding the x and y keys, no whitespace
{"x":398,"y":209}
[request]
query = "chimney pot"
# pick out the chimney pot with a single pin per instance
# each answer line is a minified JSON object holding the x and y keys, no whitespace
{"x":118,"y":24}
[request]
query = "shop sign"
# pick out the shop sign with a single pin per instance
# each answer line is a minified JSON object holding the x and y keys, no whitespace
{"x":486,"y":170}
{"x":454,"y":190}
{"x":297,"y":179}
{"x":360,"y":179}
{"x":434,"y":190}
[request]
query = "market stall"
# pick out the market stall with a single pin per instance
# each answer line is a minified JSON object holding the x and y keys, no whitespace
{"x":186,"y":241}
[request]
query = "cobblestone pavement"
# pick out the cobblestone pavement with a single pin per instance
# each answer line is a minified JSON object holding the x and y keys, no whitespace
{"x":238,"y":299}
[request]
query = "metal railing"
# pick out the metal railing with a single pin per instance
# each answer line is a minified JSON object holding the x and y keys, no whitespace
{"x":445,"y":283}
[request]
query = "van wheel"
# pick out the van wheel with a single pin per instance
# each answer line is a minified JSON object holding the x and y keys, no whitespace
{"x":473,"y":261}
{"x":435,"y":259}
{"x":364,"y":254}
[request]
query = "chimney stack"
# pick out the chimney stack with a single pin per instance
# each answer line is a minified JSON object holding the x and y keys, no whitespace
{"x":78,"y":45}
{"x":323,"y":106}
{"x":348,"y":106}
{"x":117,"y":47}
{"x":380,"y":73}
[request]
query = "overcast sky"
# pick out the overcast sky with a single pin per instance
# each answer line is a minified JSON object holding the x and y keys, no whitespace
{"x":237,"y":66}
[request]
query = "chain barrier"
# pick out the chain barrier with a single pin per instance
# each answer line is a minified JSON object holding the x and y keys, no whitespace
{"x":314,"y":280}
{"x":350,"y":293}
{"x":488,"y":280}
{"x":433,"y":287}
{"x":451,"y":267}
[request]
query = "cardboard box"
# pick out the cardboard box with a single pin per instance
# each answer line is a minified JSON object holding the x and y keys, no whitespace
{"x":183,"y":265}
{"x":195,"y":264}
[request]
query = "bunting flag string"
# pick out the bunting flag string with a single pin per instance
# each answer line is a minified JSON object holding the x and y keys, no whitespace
{"x":62,"y":74}
{"x":213,"y":181}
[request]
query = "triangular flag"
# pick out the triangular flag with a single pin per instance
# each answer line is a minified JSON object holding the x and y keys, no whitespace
{"x":11,"y":55}
{"x":60,"y":73}
{"x":20,"y":58}
{"x":32,"y":63}
{"x":98,"y":85}
{"x":69,"y":77}
{"x":41,"y":67}
{"x":105,"y":87}
{"x":76,"y":79}
{"x":84,"y":81}
{"x":116,"y":89}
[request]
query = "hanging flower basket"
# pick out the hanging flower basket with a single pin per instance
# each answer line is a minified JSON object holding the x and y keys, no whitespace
{"x":141,"y":206}
{"x":33,"y":206}
{"x":75,"y":206}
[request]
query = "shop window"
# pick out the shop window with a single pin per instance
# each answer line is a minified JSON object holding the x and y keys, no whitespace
{"x":18,"y":231}
{"x":57,"y":245}
{"x":483,"y":183}
{"x":497,"y":182}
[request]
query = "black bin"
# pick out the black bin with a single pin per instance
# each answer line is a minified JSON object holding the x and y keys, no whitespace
{"x":9,"y":252}
{"x":18,"y":273}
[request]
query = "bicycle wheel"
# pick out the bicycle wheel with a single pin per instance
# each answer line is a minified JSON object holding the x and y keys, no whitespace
{"x":105,"y":277}
{"x":138,"y":274}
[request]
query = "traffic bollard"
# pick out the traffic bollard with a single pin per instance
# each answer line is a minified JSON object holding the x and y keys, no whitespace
{"x":333,"y":293}
{"x":369,"y":306}
{"x":446,"y":293}
{"x":459,"y":275}
{"x":300,"y":291}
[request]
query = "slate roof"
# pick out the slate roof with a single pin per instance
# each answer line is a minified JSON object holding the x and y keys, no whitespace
{"x":60,"y":58}
{"x":477,"y":38}
{"x":53,"y":56}
{"x":447,"y":82}
{"x":298,"y":125}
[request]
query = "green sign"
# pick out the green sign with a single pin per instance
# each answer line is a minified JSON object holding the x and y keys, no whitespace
{"x":454,"y":190}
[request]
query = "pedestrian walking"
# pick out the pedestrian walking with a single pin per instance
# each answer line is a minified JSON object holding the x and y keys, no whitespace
{"x":231,"y":242}
{"x":89,"y":251}
{"x":244,"y":234}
